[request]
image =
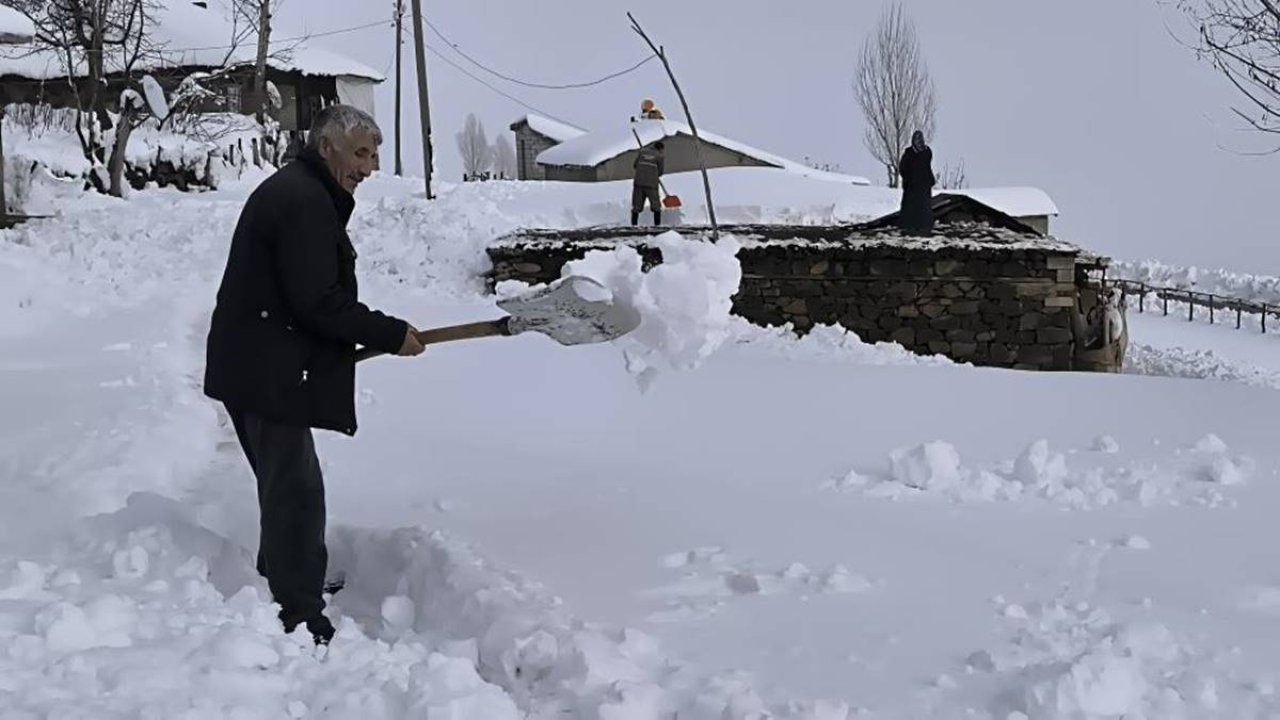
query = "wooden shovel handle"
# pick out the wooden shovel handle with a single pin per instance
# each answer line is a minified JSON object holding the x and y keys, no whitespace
{"x":469,"y":331}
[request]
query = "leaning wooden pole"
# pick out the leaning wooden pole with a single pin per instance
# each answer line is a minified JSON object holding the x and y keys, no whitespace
{"x":697,"y":141}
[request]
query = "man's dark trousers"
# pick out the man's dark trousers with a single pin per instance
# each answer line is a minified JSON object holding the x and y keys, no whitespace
{"x":291,"y":551}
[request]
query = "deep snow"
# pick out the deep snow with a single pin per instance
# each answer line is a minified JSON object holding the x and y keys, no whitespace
{"x":822,"y":528}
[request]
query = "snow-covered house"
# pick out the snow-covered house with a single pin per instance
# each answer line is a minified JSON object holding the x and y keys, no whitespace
{"x":535,"y":134}
{"x":608,"y":154}
{"x":191,"y":38}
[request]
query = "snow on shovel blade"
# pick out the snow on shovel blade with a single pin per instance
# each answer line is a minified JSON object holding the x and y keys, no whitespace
{"x":572,"y":311}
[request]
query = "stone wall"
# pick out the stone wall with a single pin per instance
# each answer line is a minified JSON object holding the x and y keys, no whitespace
{"x":989,"y":305}
{"x":1009,"y":309}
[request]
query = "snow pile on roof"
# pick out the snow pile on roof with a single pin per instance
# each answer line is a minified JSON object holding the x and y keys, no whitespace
{"x":554,"y":129}
{"x":14,"y":26}
{"x":189,"y":35}
{"x":600,"y":146}
{"x":1012,"y":201}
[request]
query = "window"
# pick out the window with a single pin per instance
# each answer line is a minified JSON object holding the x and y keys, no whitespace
{"x":233,"y":98}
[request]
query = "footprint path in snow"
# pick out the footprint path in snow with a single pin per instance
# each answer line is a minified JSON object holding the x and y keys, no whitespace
{"x":710,"y":578}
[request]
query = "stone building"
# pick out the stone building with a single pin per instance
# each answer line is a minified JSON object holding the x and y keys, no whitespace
{"x":986,"y":289}
{"x":535,"y":134}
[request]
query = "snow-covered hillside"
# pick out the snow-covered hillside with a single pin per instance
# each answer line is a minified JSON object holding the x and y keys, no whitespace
{"x":817,"y":529}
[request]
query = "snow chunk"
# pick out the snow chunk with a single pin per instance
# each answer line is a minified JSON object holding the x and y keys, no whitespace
{"x":684,"y":303}
{"x":1211,"y":444}
{"x":933,"y":465}
{"x":1137,"y":542}
{"x":1036,"y":467}
{"x":398,"y":613}
{"x":1106,"y":444}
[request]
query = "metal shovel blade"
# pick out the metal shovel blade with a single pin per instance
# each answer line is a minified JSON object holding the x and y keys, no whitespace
{"x":572,"y":311}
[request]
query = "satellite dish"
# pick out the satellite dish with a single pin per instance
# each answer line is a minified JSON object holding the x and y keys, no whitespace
{"x":156,"y":101}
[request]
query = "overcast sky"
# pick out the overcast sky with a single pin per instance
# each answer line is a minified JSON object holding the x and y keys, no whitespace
{"x":1091,"y":100}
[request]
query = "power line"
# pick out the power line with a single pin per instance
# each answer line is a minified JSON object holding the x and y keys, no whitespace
{"x":485,"y":83}
{"x":570,"y":86}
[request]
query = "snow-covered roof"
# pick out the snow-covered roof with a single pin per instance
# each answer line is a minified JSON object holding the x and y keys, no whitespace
{"x":189,"y":35}
{"x":1012,"y":201}
{"x":554,"y":129}
{"x":600,"y":146}
{"x":15,"y":27}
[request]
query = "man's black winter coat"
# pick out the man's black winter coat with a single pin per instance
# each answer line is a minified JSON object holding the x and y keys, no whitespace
{"x":287,"y":321}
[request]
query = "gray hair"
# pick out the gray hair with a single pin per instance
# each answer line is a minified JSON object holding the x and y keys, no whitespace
{"x":338,"y":121}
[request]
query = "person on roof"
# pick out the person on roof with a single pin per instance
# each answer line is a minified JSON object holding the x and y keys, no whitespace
{"x":915,"y":215}
{"x":649,"y":166}
{"x":650,"y":111}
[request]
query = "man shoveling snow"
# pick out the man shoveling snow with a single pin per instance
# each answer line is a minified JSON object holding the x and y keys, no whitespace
{"x":282,"y":344}
{"x":282,"y":347}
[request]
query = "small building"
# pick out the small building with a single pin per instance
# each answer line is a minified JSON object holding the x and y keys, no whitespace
{"x":608,"y":155}
{"x":986,"y":289}
{"x":197,"y":38}
{"x":535,"y":134}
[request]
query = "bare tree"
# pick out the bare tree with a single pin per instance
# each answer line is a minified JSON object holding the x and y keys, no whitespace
{"x":894,"y":89}
{"x":92,"y":39}
{"x":504,"y":158}
{"x":953,"y":177}
{"x":1241,"y":38}
{"x":477,"y":155}
{"x":257,"y":16}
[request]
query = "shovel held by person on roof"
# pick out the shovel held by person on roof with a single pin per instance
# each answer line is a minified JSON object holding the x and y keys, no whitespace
{"x":572,"y":311}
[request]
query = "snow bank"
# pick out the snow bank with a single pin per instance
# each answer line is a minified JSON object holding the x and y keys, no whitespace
{"x":1180,"y":362}
{"x":1195,"y":476}
{"x":684,"y":302}
{"x":827,"y":343}
{"x":444,"y":596}
{"x":1244,"y":286}
{"x":147,"y":614}
{"x":45,"y":165}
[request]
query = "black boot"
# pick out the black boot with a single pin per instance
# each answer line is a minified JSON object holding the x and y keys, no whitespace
{"x":657,"y":217}
{"x":635,"y":218}
{"x":320,"y":627}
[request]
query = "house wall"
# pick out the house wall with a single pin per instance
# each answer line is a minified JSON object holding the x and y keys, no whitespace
{"x":995,"y":307}
{"x":529,"y":145}
{"x":1039,"y":223}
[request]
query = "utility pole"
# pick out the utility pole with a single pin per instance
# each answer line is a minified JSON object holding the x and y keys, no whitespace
{"x":399,"y":77}
{"x":424,"y":104}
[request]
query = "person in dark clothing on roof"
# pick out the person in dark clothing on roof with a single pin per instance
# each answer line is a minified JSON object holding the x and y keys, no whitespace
{"x":282,"y":344}
{"x":915,"y":215}
{"x":649,"y":166}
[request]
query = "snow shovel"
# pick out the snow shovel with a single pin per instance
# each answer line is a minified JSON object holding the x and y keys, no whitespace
{"x":669,"y":201}
{"x":572,"y":311}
